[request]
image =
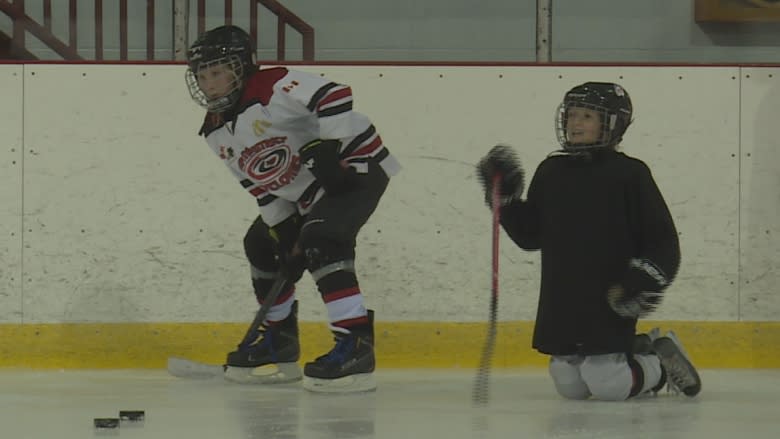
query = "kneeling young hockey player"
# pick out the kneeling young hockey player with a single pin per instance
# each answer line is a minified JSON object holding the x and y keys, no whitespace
{"x":609,"y":250}
{"x":318,"y":170}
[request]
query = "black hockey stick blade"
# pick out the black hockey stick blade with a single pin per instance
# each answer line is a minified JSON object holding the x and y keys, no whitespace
{"x":184,"y":368}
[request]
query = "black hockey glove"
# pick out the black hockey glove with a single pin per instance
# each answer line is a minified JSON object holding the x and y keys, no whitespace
{"x":285,"y":235}
{"x":321,"y":157}
{"x":501,"y":160}
{"x":641,"y":290}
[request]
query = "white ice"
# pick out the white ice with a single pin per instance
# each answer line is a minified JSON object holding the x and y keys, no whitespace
{"x":433,"y":404}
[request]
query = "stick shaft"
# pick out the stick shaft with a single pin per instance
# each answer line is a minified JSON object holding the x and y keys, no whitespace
{"x":496,"y":209}
{"x":270,"y":299}
{"x":481,"y":391}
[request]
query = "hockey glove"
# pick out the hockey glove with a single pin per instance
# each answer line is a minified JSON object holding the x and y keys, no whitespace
{"x":641,"y":291}
{"x":321,"y":158}
{"x":501,"y":160}
{"x":289,"y":256}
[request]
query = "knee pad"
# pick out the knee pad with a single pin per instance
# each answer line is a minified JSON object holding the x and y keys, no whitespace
{"x":324,"y":258}
{"x":608,"y":376}
{"x":259,"y":247}
{"x":565,"y":373}
{"x":262,"y":281}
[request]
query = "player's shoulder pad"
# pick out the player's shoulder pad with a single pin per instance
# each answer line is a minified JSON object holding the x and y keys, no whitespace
{"x":551,"y":161}
{"x":636,"y":166}
{"x":307,"y":88}
{"x":260,"y":86}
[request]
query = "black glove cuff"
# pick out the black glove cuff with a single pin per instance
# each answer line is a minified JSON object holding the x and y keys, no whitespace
{"x":333,"y":177}
{"x":322,"y":159}
{"x":644,"y":275}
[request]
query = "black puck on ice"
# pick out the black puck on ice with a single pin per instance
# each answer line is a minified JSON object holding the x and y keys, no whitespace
{"x":106,"y":422}
{"x":132,"y":415}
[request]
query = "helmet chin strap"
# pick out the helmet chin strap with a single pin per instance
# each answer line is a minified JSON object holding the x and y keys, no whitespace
{"x":219,"y":104}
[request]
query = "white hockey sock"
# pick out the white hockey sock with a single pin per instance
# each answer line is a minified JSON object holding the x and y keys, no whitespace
{"x":280,"y":311}
{"x":651,"y":367}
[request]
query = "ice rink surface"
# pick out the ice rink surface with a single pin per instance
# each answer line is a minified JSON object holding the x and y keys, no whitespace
{"x":421,"y":404}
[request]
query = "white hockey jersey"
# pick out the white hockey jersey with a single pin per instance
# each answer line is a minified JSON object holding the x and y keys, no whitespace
{"x":280,"y":111}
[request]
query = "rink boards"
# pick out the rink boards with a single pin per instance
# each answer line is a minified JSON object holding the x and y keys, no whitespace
{"x":120,"y":240}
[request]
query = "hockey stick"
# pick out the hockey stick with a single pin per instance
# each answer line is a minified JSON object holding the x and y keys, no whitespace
{"x":183,"y":368}
{"x":481,"y":392}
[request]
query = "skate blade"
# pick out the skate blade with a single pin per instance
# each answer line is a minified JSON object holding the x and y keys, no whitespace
{"x":670,"y":355}
{"x":269,"y":374}
{"x":363,"y":382}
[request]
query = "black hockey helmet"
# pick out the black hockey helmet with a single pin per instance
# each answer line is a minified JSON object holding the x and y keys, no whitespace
{"x":610,"y":100}
{"x":227,"y":45}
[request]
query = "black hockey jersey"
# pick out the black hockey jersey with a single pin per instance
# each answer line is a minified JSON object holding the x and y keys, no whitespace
{"x":589,"y":215}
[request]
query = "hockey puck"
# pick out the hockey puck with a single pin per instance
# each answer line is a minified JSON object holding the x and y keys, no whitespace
{"x":106,"y":422}
{"x":132,"y":415}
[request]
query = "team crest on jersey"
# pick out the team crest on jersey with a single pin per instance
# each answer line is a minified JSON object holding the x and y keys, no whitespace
{"x":270,"y":163}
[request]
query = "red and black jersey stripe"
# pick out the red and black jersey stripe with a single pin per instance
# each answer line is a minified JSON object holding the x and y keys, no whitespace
{"x":328,"y":94}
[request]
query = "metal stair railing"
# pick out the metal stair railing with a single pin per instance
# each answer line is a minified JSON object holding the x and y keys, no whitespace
{"x":22,"y":23}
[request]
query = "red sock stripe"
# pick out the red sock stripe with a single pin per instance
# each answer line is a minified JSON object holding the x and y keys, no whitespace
{"x":340,"y":294}
{"x":348,"y":323}
{"x":285,"y":296}
{"x":282,"y":297}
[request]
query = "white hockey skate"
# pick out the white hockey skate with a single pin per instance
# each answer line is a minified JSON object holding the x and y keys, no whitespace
{"x":680,"y":372}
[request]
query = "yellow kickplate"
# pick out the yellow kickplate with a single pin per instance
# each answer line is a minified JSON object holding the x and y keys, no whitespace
{"x":398,"y":344}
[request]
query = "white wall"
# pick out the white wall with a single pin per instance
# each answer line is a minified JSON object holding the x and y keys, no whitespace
{"x":11,"y":113}
{"x":128,"y":216}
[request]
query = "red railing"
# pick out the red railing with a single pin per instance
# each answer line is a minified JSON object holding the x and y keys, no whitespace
{"x":284,"y":17}
{"x":22,"y":23}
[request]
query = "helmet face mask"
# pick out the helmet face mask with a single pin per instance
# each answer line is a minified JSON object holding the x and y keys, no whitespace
{"x":219,"y":61}
{"x":593,"y":115}
{"x":216,"y":85}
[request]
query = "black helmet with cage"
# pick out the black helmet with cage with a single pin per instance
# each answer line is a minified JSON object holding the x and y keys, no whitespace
{"x":226,"y":50}
{"x":609,"y":100}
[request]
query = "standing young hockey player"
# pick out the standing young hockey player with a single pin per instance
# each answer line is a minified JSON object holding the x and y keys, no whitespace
{"x":609,"y":250}
{"x":317,"y":170}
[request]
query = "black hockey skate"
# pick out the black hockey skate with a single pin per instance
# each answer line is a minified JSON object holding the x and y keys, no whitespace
{"x":272,"y":358}
{"x":680,"y":372}
{"x":349,"y":366}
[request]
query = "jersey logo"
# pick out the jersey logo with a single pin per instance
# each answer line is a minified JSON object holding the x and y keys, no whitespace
{"x":259,"y":127}
{"x":270,"y":164}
